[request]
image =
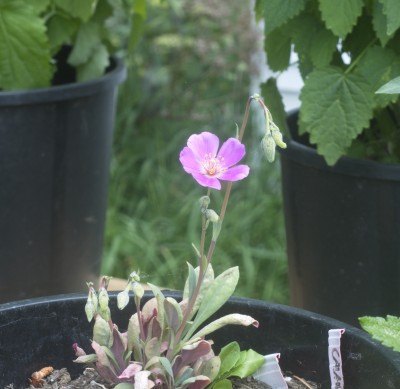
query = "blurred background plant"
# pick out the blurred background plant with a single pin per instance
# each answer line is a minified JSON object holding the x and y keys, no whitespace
{"x":191,"y":72}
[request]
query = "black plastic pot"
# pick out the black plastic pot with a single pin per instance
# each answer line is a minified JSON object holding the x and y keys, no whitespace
{"x":40,"y":332}
{"x":54,"y":162}
{"x":343,"y":228}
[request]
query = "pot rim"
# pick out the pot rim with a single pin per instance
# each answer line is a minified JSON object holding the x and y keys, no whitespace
{"x":68,"y":91}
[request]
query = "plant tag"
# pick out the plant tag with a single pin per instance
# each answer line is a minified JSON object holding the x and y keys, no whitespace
{"x":335,"y":359}
{"x":270,"y":372}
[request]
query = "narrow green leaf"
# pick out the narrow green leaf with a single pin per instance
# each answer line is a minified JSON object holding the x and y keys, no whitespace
{"x":259,"y":9}
{"x":24,"y":48}
{"x":278,"y":12}
{"x":95,"y":66}
{"x":167,"y":366}
{"x":391,"y":87}
{"x":278,"y":47}
{"x":190,"y":282}
{"x":340,"y":15}
{"x":215,"y":296}
{"x":391,"y":8}
{"x":137,"y":23}
{"x":335,"y":108}
{"x":386,"y":330}
{"x":274,"y":102}
{"x":82,"y":9}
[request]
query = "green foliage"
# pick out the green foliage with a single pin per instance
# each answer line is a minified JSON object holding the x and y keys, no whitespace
{"x":33,"y":32}
{"x":392,"y":87}
{"x":187,"y":76}
{"x":346,"y":51}
{"x":236,"y":363}
{"x":386,"y":330}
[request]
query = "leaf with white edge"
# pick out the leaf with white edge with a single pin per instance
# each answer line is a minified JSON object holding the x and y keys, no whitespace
{"x":231,"y":319}
{"x":24,"y":48}
{"x":95,"y":67}
{"x":249,"y":362}
{"x":379,"y":22}
{"x":130,"y":371}
{"x":386,"y":330}
{"x":278,"y":46}
{"x":273,"y":100}
{"x":278,"y":12}
{"x":215,"y":297}
{"x":340,"y":15}
{"x":82,"y":9}
{"x":86,"y":43}
{"x":391,"y":8}
{"x":391,"y":87}
{"x":335,"y":108}
{"x":102,"y":332}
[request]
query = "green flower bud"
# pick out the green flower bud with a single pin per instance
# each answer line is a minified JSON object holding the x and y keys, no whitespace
{"x":204,"y":202}
{"x":134,"y":276}
{"x":277,"y":136}
{"x":105,"y":313}
{"x":212,"y":216}
{"x":137,"y":289}
{"x":122,"y":299}
{"x":103,"y":299}
{"x":89,"y":310}
{"x":269,"y":145}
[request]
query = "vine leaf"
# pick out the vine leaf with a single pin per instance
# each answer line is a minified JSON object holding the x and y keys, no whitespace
{"x":336,"y":106}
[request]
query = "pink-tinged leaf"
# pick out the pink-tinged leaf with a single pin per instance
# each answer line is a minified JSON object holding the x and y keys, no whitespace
{"x":191,"y":353}
{"x":87,"y":359}
{"x":118,"y":348}
{"x":232,"y":319}
{"x":198,"y":382}
{"x":128,"y":374}
{"x":78,"y":351}
{"x":173,"y":313}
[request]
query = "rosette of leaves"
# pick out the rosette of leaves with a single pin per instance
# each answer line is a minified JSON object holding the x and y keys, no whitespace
{"x":165,"y":343}
{"x":33,"y":32}
{"x":346,"y":51}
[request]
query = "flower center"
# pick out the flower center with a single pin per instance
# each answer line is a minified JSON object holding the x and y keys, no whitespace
{"x":211,"y":165}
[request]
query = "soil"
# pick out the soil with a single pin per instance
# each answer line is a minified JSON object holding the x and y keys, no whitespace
{"x":89,"y":379}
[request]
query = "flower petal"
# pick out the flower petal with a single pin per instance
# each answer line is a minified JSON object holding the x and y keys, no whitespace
{"x":232,"y":151}
{"x":209,"y":182}
{"x":189,"y":161}
{"x":202,"y":144}
{"x":235,"y":173}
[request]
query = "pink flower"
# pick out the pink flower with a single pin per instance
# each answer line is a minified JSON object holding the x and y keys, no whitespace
{"x":207,"y":165}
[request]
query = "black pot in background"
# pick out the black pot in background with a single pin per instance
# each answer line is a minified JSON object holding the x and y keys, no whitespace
{"x":54,"y":162}
{"x":40,"y":332}
{"x":343,"y":232}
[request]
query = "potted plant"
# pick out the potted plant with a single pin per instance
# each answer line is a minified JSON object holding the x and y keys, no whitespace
{"x":340,"y":173}
{"x":168,"y":342}
{"x":58,"y":83}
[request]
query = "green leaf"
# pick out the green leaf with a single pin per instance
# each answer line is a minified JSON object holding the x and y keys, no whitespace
{"x":379,"y":22}
{"x":336,"y":106}
{"x":340,"y":15}
{"x":391,"y":8}
{"x":40,"y":5}
{"x":249,"y":362}
{"x":137,"y":23}
{"x":379,"y":66}
{"x":82,"y":9}
{"x":278,"y":12}
{"x":95,"y":66}
{"x":215,"y":296}
{"x":125,"y":385}
{"x":386,"y":330}
{"x":229,"y":355}
{"x":259,"y":9}
{"x":101,"y":332}
{"x":167,"y":366}
{"x":323,"y":45}
{"x":391,"y":87}
{"x":86,"y":43}
{"x":60,"y":30}
{"x":274,"y":102}
{"x":223,"y":384}
{"x":24,"y":48}
{"x":278,"y":47}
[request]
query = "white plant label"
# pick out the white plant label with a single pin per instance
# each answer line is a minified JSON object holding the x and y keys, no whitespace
{"x":270,"y":372}
{"x":335,"y":359}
